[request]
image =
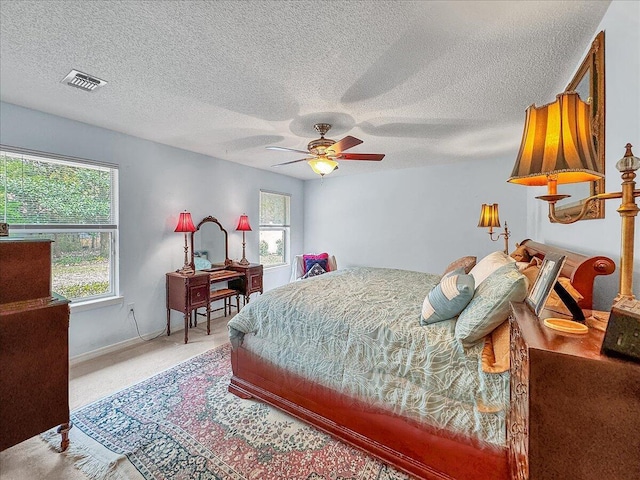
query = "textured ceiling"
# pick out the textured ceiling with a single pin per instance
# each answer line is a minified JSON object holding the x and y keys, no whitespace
{"x":423,"y":82}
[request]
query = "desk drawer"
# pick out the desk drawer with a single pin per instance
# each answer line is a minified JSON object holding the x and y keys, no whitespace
{"x":255,"y":283}
{"x":199,"y":294}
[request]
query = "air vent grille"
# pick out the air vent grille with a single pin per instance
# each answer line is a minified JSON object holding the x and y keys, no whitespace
{"x":83,"y":81}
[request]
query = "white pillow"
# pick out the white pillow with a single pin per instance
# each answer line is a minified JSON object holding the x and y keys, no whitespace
{"x":488,"y":265}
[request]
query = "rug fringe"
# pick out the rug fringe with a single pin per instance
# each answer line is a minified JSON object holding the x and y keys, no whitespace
{"x":82,"y":458}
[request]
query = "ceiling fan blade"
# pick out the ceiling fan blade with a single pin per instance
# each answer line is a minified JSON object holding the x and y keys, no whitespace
{"x":293,"y":161}
{"x":345,"y":144}
{"x":376,"y":157}
{"x":285,"y":149}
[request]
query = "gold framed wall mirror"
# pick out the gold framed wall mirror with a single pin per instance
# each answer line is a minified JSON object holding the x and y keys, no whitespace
{"x":209,"y":245}
{"x":589,"y":82}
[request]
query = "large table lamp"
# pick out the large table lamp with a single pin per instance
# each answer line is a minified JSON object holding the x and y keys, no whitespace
{"x":557,"y":148}
{"x":185,"y":225}
{"x":243,"y":226}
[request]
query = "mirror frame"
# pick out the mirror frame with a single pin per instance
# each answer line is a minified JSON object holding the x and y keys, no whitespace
{"x":594,"y":64}
{"x":211,"y":219}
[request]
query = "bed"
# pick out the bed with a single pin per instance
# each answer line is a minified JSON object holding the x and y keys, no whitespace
{"x":348,"y":352}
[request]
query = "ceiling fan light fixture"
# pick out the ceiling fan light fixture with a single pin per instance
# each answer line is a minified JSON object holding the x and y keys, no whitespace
{"x":322,"y":165}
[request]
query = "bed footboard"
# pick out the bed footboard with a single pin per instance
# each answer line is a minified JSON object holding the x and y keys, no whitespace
{"x":405,"y":444}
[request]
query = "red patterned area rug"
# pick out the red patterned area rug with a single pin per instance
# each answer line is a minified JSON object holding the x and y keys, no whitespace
{"x":184,"y":424}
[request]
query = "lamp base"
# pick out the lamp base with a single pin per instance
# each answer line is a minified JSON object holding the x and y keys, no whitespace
{"x":244,"y":261}
{"x":186,"y":270}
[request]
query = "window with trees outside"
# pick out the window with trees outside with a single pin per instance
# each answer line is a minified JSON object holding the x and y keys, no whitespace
{"x":72,"y":202}
{"x":274,"y":228}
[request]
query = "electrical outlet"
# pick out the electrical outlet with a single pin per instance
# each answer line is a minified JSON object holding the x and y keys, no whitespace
{"x":130,"y":307}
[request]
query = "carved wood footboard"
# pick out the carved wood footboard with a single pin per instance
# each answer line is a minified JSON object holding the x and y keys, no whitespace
{"x":405,"y":444}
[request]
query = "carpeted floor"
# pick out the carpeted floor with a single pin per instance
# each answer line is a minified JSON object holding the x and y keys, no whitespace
{"x":102,"y":376}
{"x":182,"y":423}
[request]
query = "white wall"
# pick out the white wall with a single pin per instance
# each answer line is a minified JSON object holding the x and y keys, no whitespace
{"x":621,"y":25}
{"x":423,"y":218}
{"x":157,"y":182}
{"x":416,"y":219}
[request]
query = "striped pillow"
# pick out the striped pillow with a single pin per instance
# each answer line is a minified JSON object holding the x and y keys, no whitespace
{"x":448,"y":298}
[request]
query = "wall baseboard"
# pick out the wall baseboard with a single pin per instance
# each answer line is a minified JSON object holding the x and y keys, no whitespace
{"x":83,"y":357}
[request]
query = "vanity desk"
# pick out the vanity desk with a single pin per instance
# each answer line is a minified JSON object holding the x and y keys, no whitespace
{"x":210,"y":260}
{"x":574,"y":413}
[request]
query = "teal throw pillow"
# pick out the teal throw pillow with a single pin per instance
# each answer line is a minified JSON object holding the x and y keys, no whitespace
{"x":489,"y":306}
{"x":201,"y":263}
{"x":448,"y":298}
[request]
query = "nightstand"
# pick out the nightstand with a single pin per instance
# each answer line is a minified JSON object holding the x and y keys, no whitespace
{"x":574,"y":414}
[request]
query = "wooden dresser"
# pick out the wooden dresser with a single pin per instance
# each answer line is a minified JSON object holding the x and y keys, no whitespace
{"x":34,"y":350}
{"x":575,"y":414}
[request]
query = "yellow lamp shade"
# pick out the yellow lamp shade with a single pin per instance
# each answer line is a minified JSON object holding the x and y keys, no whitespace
{"x":557,"y":143}
{"x":489,"y":215}
{"x":323,"y":165}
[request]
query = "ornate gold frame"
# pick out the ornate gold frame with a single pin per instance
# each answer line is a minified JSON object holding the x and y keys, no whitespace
{"x":593,"y":64}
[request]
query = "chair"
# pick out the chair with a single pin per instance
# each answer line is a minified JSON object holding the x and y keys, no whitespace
{"x":297,"y":267}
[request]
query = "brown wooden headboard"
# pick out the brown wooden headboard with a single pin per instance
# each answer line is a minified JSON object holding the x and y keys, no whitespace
{"x":580,"y":269}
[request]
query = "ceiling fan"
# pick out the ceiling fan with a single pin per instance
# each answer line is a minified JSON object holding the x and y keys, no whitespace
{"x":323,"y":152}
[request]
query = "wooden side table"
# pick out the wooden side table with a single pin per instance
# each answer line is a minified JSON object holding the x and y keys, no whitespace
{"x":250,"y":283}
{"x":574,"y":414}
{"x":186,"y":293}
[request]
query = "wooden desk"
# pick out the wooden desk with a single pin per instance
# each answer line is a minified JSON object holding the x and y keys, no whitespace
{"x":187,"y":293}
{"x":574,"y":414}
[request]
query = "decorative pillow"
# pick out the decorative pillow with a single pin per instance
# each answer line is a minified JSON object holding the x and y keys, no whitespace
{"x":314,"y":271}
{"x":201,"y":263}
{"x":488,"y":265}
{"x":489,"y":306}
{"x":466,"y":263}
{"x":448,"y":298}
{"x":520,"y":254}
{"x":310,"y":260}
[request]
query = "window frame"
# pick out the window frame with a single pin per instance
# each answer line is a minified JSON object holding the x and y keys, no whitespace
{"x":285,"y":228}
{"x":27,"y":229}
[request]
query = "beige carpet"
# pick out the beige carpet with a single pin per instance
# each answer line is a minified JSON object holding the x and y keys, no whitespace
{"x":96,"y":378}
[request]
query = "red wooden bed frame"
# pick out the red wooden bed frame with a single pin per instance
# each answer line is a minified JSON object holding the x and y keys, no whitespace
{"x":408,"y":445}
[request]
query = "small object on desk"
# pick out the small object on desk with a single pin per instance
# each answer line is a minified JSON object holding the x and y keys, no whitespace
{"x":597,"y":319}
{"x":566,"y":326}
{"x":622,"y":337}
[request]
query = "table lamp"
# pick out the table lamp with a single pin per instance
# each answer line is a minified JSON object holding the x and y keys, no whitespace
{"x":185,"y":225}
{"x":243,"y":226}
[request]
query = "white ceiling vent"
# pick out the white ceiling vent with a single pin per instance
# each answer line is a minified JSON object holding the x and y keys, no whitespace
{"x":83,"y":81}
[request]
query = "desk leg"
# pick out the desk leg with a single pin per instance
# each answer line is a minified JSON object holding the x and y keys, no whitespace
{"x":168,"y":322}
{"x":208,"y":318}
{"x":187,"y":315}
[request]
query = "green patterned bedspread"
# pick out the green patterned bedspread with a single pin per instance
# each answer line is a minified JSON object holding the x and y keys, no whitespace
{"x":358,"y":331}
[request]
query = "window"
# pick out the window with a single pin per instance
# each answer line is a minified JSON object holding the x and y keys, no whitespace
{"x":274,"y":228}
{"x":70,"y":201}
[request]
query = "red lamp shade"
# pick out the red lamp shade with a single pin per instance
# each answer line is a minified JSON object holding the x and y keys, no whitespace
{"x":185,"y":224}
{"x":243,"y":224}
